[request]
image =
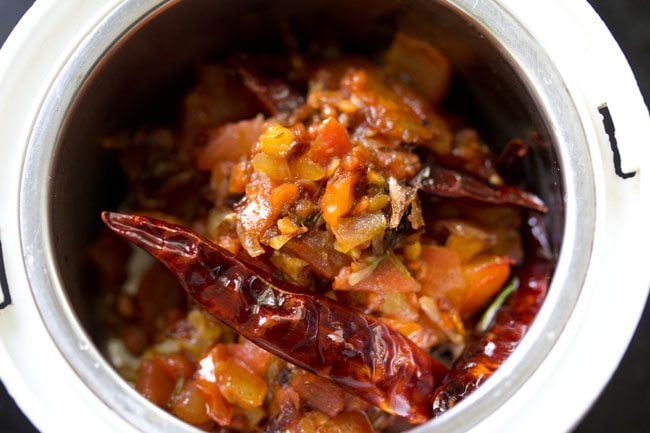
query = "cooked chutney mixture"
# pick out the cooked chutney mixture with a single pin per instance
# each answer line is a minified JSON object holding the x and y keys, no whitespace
{"x":362,"y":216}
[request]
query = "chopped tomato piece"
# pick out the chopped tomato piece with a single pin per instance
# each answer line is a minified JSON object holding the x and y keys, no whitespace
{"x":401,"y":306}
{"x":385,"y":111}
{"x":255,"y":213}
{"x":217,"y":408}
{"x":339,"y":196}
{"x":154,"y":383}
{"x":467,"y":239}
{"x":351,"y":232}
{"x":190,"y":405}
{"x":275,"y":167}
{"x":493,"y":216}
{"x":245,"y":420}
{"x":239,"y":178}
{"x":283,"y":196}
{"x":230,"y":142}
{"x":388,"y":276}
{"x":508,"y":243}
{"x":317,"y":249}
{"x":331,"y":140}
{"x":318,"y":393}
{"x":405,"y":328}
{"x":444,"y":316}
{"x":157,"y":377}
{"x":251,"y":355}
{"x":308,"y":423}
{"x":428,"y":69}
{"x":348,"y":422}
{"x":176,"y":365}
{"x":466,"y":247}
{"x":484,"y":278}
{"x":285,"y":398}
{"x":424,"y":336}
{"x":467,"y":286}
{"x":239,"y":385}
{"x":277,"y":141}
{"x":305,"y":168}
{"x":442,"y":274}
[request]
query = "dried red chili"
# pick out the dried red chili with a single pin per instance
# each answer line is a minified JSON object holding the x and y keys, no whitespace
{"x":445,"y":182}
{"x":488,"y":351}
{"x":358,"y":352}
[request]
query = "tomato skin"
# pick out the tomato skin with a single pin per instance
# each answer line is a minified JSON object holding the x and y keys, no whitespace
{"x":339,"y":196}
{"x":317,"y":249}
{"x":484,"y":277}
{"x":443,"y":274}
{"x":239,"y":385}
{"x":251,"y":356}
{"x":190,"y":405}
{"x":229,"y":142}
{"x":232,"y":379}
{"x":177,"y":365}
{"x":217,"y":408}
{"x":330,"y":140}
{"x":309,"y":422}
{"x":468,"y":286}
{"x":157,"y":377}
{"x":283,"y":196}
{"x":424,"y":336}
{"x":154,"y":383}
{"x":390,"y":276}
{"x":348,"y":422}
{"x":318,"y":393}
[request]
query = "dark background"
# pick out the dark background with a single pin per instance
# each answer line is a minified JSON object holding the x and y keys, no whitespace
{"x":624,"y":406}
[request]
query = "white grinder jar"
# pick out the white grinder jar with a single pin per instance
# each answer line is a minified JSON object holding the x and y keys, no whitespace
{"x":75,"y":69}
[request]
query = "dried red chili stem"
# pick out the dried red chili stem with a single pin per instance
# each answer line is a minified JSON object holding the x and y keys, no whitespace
{"x":445,"y":182}
{"x":356,"y":351}
{"x":487,"y":352}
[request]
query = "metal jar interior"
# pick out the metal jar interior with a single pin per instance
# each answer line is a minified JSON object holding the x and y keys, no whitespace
{"x":135,"y":64}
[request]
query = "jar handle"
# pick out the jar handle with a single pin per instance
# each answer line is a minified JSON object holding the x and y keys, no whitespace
{"x":610,"y":130}
{"x":5,"y":296}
